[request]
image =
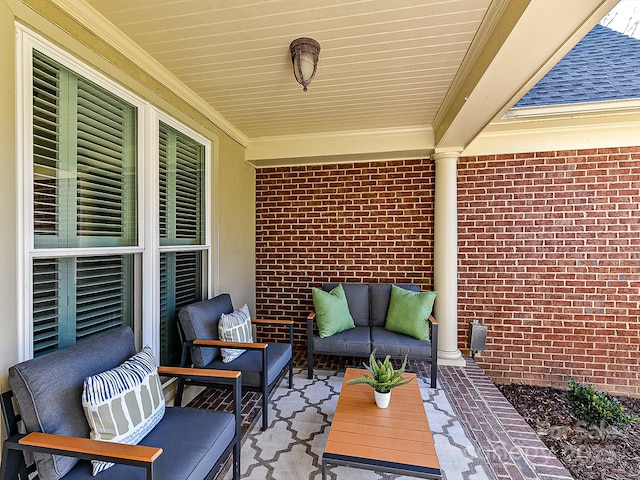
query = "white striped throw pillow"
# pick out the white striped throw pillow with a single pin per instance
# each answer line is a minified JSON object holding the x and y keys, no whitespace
{"x":124,"y":404}
{"x":235,"y":327}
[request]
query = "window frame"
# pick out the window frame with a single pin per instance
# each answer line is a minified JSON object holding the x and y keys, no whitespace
{"x":147,"y":248}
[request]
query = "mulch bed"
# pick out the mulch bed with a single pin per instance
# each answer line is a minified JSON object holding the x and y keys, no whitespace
{"x":585,"y":453}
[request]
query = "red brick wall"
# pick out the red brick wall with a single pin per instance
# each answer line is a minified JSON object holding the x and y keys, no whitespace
{"x":549,"y":253}
{"x":550,"y":261}
{"x":363,"y":222}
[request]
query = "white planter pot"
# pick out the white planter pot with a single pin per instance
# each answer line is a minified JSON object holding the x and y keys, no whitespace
{"x":382,"y":399}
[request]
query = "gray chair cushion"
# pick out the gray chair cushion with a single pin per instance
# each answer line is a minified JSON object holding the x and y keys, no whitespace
{"x":188,"y":457}
{"x":249,"y":363}
{"x":355,"y":342}
{"x":397,"y":344}
{"x":380,"y":294}
{"x":48,"y":390}
{"x":358,"y":300}
{"x":200,"y":321}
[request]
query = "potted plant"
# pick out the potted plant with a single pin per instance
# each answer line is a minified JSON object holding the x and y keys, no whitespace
{"x":382,"y":379}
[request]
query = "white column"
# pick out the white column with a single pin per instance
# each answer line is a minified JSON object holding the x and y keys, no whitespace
{"x":445,"y":252}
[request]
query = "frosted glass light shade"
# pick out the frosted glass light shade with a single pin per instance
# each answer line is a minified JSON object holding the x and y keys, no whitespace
{"x":304,"y":57}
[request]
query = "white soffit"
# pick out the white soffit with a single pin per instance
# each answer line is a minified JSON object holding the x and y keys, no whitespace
{"x":567,"y":127}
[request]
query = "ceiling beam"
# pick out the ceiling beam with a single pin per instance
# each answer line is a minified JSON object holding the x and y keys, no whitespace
{"x":341,"y":147}
{"x":518,"y":43}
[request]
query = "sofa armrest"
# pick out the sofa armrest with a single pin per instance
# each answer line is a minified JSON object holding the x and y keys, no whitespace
{"x":433,"y":326}
{"x":94,"y":449}
{"x":223,"y":344}
{"x":201,"y":376}
{"x":274,"y":322}
{"x":80,"y":448}
{"x":433,"y":336}
{"x":310,"y":320}
{"x":200,"y":373}
{"x":277,"y":323}
{"x":311,"y":324}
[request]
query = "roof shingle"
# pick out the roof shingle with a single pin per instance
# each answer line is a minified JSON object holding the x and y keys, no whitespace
{"x":603,"y":66}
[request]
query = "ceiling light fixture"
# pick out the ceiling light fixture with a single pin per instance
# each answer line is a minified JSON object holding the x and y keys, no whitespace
{"x":304,"y":56}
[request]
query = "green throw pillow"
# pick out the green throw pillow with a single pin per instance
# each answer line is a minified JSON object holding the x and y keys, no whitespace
{"x":409,"y":312}
{"x":332,"y":311}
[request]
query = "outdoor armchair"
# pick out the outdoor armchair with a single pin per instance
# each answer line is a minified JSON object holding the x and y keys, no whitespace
{"x":44,"y":418}
{"x":262,"y":364}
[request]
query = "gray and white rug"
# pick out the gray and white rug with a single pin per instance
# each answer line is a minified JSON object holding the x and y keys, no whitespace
{"x":300,"y":420}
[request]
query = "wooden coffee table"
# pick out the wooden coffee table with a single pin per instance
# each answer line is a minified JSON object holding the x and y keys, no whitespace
{"x":396,"y":439}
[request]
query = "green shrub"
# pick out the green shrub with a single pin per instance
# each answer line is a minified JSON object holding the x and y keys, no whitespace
{"x":597,"y":409}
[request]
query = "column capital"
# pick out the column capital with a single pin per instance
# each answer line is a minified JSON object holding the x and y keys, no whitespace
{"x":446,"y":155}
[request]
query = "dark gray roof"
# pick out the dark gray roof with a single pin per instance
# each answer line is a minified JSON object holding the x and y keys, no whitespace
{"x":603,"y":66}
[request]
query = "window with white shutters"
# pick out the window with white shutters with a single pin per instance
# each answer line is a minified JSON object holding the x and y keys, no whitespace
{"x":94,"y":156}
{"x":84,"y":195}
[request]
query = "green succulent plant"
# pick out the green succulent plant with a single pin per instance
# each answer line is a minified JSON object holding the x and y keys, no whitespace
{"x":383,"y":376}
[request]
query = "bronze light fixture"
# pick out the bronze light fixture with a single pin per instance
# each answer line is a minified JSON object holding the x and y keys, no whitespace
{"x":304,"y":56}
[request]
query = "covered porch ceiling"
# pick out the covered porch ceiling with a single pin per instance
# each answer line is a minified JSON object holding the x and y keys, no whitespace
{"x":397,"y":79}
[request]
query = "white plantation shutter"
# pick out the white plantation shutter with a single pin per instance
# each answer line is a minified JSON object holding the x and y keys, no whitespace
{"x":46,"y":147}
{"x":105,"y":161}
{"x":84,"y":162}
{"x":181,"y":185}
{"x":103,"y":294}
{"x":181,"y":163}
{"x":180,"y":285}
{"x":76,"y":298}
{"x":47,"y":307}
{"x":84,"y":183}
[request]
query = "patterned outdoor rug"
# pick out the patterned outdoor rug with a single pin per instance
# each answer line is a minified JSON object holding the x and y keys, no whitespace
{"x":300,"y":419}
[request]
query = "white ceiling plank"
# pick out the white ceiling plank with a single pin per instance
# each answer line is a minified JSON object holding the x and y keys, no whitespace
{"x":448,"y":66}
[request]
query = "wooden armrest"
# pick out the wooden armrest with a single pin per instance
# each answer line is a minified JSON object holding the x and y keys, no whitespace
{"x":223,"y":344}
{"x":312,"y":315}
{"x":433,"y":320}
{"x":87,"y":446}
{"x":263,"y":321}
{"x":197,"y":372}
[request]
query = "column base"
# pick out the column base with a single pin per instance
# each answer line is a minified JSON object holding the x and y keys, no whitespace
{"x":454,"y":358}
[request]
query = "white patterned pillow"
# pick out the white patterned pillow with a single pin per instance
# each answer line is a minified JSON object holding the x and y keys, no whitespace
{"x":124,"y":404}
{"x":235,"y":327}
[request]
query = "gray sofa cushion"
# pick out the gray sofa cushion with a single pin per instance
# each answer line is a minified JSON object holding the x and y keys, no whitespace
{"x":250,"y":362}
{"x":357,"y":298}
{"x":355,"y":342}
{"x":398,"y":344}
{"x":200,"y":321}
{"x":183,"y":456}
{"x":48,"y":390}
{"x":380,"y":295}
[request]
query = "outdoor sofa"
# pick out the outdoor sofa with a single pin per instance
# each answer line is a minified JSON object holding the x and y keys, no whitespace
{"x":368,"y":305}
